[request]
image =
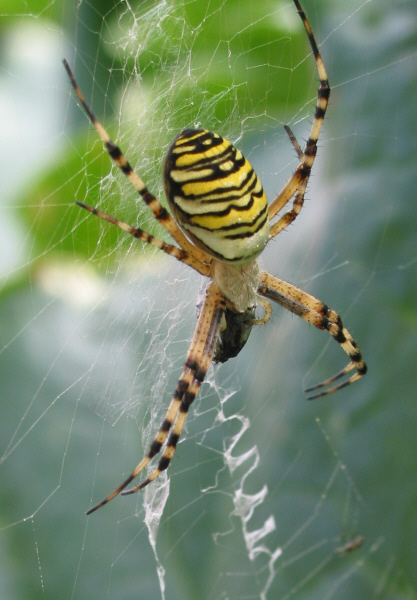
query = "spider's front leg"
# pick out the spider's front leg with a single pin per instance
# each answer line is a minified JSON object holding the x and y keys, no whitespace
{"x":199,"y":357}
{"x":321,"y":316}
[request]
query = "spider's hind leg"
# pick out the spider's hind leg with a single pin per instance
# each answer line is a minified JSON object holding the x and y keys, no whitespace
{"x":296,"y":185}
{"x":144,"y":236}
{"x":159,"y":212}
{"x":294,"y":142}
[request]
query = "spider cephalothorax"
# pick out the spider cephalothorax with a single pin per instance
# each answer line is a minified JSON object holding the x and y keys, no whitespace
{"x":221,"y":221}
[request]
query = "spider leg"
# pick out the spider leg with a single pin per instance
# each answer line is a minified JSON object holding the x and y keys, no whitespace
{"x":267,"y":312}
{"x":294,"y":141}
{"x":298,"y":182}
{"x":146,"y":237}
{"x":159,"y":212}
{"x":321,"y":316}
{"x":198,"y":360}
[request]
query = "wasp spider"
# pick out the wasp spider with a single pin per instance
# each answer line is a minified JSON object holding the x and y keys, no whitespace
{"x":221,"y":221}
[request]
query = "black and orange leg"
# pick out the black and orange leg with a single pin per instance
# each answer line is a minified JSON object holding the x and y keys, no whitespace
{"x":198,"y":360}
{"x":321,"y":316}
{"x":146,"y":237}
{"x":159,"y":212}
{"x":297,"y":184}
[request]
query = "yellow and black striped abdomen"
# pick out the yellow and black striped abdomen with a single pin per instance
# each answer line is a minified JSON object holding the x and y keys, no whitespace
{"x":215,"y":196}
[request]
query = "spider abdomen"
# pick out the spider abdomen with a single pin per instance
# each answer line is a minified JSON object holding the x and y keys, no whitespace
{"x":215,"y":196}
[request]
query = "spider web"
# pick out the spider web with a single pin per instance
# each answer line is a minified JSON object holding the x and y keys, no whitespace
{"x":266,"y":491}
